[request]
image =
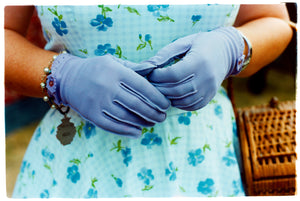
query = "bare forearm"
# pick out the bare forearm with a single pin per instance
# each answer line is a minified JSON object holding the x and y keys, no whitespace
{"x":267,"y":29}
{"x":24,"y":64}
{"x":269,"y":37}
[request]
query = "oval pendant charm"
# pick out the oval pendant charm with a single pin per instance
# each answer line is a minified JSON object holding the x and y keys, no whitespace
{"x":66,"y":131}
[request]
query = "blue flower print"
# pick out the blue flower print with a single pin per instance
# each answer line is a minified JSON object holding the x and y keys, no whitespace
{"x":143,"y":43}
{"x":148,"y":37}
{"x":206,"y":187}
{"x":155,"y":9}
{"x":47,"y":155}
{"x":171,"y":171}
{"x":118,"y":181}
{"x":196,"y":18}
{"x":126,"y":153}
{"x":185,"y":118}
{"x":89,"y":130}
{"x":195,"y":157}
{"x":104,"y":49}
{"x":229,"y":159}
{"x":44,"y":194}
{"x":151,"y":139}
{"x":60,"y":26}
{"x":101,"y":22}
{"x":237,"y":186}
{"x":37,"y":134}
{"x":234,"y":128}
{"x":92,"y":193}
{"x":52,"y":130}
{"x":54,"y":182}
{"x":145,"y":175}
{"x":219,"y":111}
{"x":223,"y":92}
{"x":24,"y":165}
{"x":73,"y":173}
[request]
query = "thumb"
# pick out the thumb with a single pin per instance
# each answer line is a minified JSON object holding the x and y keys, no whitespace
{"x":143,"y":68}
{"x":170,"y":52}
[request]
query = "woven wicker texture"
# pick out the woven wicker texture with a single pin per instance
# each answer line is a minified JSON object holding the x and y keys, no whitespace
{"x":268,"y":144}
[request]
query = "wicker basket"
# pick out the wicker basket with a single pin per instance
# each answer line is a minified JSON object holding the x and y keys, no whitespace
{"x":268,"y":146}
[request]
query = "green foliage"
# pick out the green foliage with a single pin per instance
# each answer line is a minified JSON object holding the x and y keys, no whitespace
{"x":213,"y":101}
{"x":54,"y":12}
{"x":119,"y":52}
{"x":132,"y":10}
{"x":104,"y":10}
{"x":228,"y":144}
{"x":143,"y":43}
{"x":47,"y":166}
{"x":141,"y":46}
{"x":206,"y":146}
{"x":84,"y":51}
{"x":182,"y":189}
{"x":94,"y":180}
{"x":174,"y":140}
{"x":118,"y":147}
{"x":147,"y":188}
{"x":195,"y":113}
{"x":165,"y":19}
{"x":79,"y":128}
{"x":214,"y":194}
{"x":75,"y":161}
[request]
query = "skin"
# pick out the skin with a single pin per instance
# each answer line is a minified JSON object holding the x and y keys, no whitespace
{"x":267,"y":28}
{"x":264,"y":25}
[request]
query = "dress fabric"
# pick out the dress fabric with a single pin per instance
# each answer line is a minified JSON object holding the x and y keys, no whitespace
{"x":192,"y":154}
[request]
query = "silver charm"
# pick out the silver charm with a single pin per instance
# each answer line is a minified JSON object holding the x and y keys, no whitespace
{"x":66,"y":131}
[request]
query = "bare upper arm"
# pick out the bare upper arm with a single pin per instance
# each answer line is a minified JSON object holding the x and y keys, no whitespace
{"x":17,"y":18}
{"x":249,"y":12}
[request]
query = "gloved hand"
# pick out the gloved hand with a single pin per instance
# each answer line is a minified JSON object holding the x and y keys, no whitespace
{"x":107,"y":93}
{"x":207,"y":58}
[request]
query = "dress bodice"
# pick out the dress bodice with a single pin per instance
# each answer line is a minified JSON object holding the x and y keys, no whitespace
{"x":134,"y":32}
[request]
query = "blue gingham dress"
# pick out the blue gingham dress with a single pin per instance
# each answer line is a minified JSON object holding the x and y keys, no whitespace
{"x":192,"y":154}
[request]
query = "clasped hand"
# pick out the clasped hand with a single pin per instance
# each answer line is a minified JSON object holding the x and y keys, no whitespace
{"x":207,"y":58}
{"x":114,"y":94}
{"x":107,"y":92}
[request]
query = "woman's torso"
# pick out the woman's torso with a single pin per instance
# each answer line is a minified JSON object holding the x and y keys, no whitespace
{"x":189,"y":154}
{"x":132,"y":32}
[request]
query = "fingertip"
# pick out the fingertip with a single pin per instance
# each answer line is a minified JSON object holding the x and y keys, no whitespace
{"x":166,"y":105}
{"x":164,"y":116}
{"x":161,"y":117}
{"x":169,"y":75}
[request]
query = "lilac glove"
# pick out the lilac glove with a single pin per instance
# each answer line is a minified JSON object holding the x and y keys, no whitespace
{"x":106,"y":92}
{"x":207,"y":59}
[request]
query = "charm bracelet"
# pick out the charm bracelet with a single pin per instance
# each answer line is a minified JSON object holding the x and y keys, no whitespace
{"x":66,"y":130}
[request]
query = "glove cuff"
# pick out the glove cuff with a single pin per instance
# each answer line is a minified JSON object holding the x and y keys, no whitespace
{"x":236,"y":44}
{"x":249,"y":52}
{"x":54,"y":78}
